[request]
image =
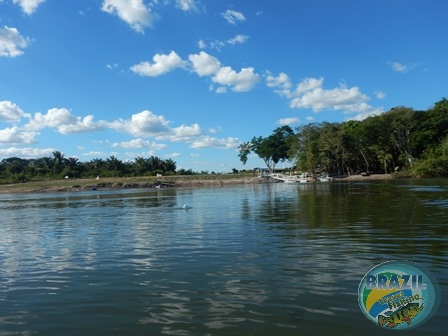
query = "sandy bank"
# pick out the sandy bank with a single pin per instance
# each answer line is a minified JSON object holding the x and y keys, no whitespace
{"x":149,"y":182}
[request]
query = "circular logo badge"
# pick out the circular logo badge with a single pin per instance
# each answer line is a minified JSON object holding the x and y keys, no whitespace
{"x":399,"y":295}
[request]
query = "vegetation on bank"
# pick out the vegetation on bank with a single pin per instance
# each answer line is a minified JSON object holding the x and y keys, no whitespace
{"x":413,"y":143}
{"x":55,"y":169}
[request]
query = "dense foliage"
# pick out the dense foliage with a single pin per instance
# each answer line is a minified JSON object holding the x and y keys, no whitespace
{"x":15,"y":169}
{"x":400,"y":139}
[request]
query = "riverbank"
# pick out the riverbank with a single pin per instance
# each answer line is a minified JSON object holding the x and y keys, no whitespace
{"x":73,"y":185}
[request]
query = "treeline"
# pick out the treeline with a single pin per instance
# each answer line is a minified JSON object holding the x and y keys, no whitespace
{"x":412,"y":142}
{"x":15,"y":169}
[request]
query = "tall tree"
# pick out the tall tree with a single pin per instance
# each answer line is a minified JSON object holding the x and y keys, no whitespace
{"x":271,"y":150}
{"x":399,"y":122}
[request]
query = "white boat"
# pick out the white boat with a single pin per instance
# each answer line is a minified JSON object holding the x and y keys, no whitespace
{"x":324,"y":178}
{"x":303,"y":178}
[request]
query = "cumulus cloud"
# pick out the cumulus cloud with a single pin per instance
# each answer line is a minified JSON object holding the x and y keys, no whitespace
{"x":241,"y":81}
{"x":282,"y":81}
{"x":233,"y":17}
{"x":26,"y":152}
{"x":162,"y":64}
{"x":183,"y":133}
{"x":28,"y":6}
{"x":147,"y":124}
{"x":15,"y":135}
{"x":187,"y":5}
{"x":133,"y":12}
{"x":142,"y":124}
{"x":204,"y":64}
{"x":12,"y":42}
{"x":238,"y":39}
{"x":207,"y":65}
{"x":64,"y":122}
{"x":139,"y":143}
{"x":310,"y":94}
{"x":224,"y":143}
{"x":11,"y":112}
{"x":309,"y":85}
{"x":288,"y":121}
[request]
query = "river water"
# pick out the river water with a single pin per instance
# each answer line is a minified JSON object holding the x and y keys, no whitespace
{"x":265,"y":259}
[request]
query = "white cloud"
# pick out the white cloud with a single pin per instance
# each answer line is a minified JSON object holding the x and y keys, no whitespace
{"x":204,"y":64}
{"x":208,"y":141}
{"x":26,"y":152}
{"x":173,"y":155}
{"x":94,"y":153}
{"x":288,"y":121}
{"x":309,"y":85}
{"x":221,"y":90}
{"x":238,"y":39}
{"x":28,"y":6}
{"x":380,"y":95}
{"x":162,"y":64}
{"x":401,"y":68}
{"x":207,"y":65}
{"x":241,"y":81}
{"x":309,"y":118}
{"x":187,"y":5}
{"x":133,"y":12}
{"x":183,"y":133}
{"x":16,"y":135}
{"x":11,"y":112}
{"x":142,"y":124}
{"x":218,"y":45}
{"x":64,"y":122}
{"x":282,"y":81}
{"x":12,"y":42}
{"x":139,"y":143}
{"x":398,"y":67}
{"x":310,"y":94}
{"x":214,"y":130}
{"x":147,"y":124}
{"x":233,"y":17}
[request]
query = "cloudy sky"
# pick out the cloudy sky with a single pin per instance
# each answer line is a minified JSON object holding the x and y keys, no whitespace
{"x":192,"y":79}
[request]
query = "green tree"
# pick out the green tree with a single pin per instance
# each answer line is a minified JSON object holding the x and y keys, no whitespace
{"x":399,"y":123}
{"x":114,"y":166}
{"x":57,"y":163}
{"x":304,"y":147}
{"x":271,"y":150}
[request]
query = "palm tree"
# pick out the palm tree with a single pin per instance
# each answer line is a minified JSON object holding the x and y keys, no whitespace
{"x":140,"y":165}
{"x":114,"y":165}
{"x":72,"y":167}
{"x":58,"y":162}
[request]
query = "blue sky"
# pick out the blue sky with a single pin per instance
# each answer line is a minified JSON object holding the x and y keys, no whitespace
{"x":190,"y":80}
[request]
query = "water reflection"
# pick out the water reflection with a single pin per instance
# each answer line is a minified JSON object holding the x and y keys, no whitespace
{"x":261,"y":259}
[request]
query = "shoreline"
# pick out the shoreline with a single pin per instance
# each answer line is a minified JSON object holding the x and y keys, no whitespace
{"x":117,"y":183}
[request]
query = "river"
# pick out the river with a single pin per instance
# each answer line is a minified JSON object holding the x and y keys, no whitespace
{"x":264,"y":259}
